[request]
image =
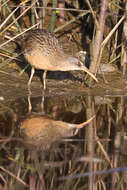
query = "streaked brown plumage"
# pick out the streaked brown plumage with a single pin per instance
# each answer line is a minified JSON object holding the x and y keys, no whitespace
{"x":43,"y":51}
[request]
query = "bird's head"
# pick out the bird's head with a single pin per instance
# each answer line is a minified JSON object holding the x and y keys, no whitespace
{"x":73,"y":63}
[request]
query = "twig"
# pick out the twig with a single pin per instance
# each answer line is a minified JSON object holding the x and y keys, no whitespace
{"x":71,"y":21}
{"x":18,"y":35}
{"x":8,"y":17}
{"x":112,"y":32}
{"x":17,"y":18}
{"x":5,"y":3}
{"x":51,"y":8}
{"x":8,"y":56}
{"x":53,"y":17}
{"x":93,"y":13}
{"x":11,"y":174}
{"x":104,"y":152}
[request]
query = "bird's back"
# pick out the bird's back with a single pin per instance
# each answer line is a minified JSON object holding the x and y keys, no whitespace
{"x":42,"y":47}
{"x":42,"y":40}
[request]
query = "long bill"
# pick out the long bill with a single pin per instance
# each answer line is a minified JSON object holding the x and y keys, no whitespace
{"x":85,"y":123}
{"x":81,"y":125}
{"x":87,"y":71}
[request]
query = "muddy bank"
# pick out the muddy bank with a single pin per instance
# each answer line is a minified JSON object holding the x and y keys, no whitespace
{"x":14,"y":86}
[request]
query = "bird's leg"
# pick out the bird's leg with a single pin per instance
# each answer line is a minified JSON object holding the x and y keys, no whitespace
{"x":44,"y":80}
{"x":29,"y":100}
{"x":31,"y":76}
{"x":42,"y":101}
{"x":43,"y":92}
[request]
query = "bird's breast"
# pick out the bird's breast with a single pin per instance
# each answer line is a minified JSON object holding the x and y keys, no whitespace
{"x":40,"y":61}
{"x":51,"y":61}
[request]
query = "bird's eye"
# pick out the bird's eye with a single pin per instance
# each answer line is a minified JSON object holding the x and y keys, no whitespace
{"x":79,"y":64}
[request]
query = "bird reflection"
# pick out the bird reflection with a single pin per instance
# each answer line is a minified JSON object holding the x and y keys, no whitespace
{"x":41,"y":132}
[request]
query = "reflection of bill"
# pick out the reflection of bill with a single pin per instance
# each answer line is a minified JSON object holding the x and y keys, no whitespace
{"x":41,"y":132}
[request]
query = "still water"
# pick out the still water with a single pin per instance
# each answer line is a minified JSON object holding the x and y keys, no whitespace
{"x":86,"y":159}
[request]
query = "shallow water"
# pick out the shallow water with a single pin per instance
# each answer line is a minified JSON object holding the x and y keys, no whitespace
{"x":101,"y":145}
